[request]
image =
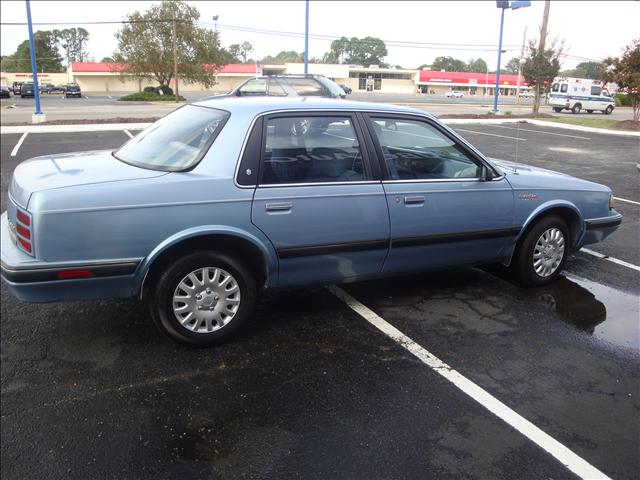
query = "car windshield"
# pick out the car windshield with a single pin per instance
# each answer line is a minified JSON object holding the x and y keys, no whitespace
{"x":176,"y":142}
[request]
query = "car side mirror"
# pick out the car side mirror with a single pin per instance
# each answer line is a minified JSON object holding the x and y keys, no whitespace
{"x":238,"y":93}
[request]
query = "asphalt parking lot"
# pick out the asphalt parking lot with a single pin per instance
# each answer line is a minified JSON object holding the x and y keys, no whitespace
{"x":312,"y":390}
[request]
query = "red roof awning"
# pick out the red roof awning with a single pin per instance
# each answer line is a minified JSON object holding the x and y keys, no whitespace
{"x":428,"y":76}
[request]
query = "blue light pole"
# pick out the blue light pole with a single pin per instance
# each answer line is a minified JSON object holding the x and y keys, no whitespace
{"x":306,"y":38}
{"x":38,"y":116}
{"x":503,"y":5}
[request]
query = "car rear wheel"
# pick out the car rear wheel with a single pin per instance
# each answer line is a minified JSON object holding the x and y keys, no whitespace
{"x":540,"y":256}
{"x":576,"y":108}
{"x":203,"y":299}
{"x":608,"y":110}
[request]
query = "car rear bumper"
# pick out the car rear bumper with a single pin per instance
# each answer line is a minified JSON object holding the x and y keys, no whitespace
{"x":597,"y":229}
{"x":36,"y":281}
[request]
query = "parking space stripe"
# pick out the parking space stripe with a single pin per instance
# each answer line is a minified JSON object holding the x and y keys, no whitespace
{"x":627,"y":201}
{"x":611,"y":259}
{"x":490,"y":134}
{"x":128,"y":133}
{"x":569,"y":459}
{"x":14,"y":152}
{"x":541,"y":131}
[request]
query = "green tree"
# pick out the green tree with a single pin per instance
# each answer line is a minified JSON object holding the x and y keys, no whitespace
{"x":360,"y":51}
{"x":146,"y":45}
{"x":476,"y":66}
{"x":625,"y":71}
{"x":512,"y":66}
{"x":592,"y":70}
{"x":448,"y":64}
{"x":73,"y":42}
{"x":47,"y":57}
{"x":288,"y":56}
{"x":541,"y":66}
{"x":107,"y":60}
{"x":240,"y":51}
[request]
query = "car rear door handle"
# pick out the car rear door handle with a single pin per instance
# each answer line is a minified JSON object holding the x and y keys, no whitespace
{"x":414,"y":200}
{"x":279,"y":207}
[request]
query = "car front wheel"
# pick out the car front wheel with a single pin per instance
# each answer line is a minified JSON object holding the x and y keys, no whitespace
{"x":203,"y":299}
{"x":540,"y":256}
{"x":608,"y":110}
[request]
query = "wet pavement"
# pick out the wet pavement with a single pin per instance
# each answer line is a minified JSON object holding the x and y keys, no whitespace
{"x":311,"y":390}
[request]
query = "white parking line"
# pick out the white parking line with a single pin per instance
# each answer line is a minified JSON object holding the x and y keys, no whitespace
{"x":569,"y":459}
{"x":128,"y":133}
{"x":627,"y":201}
{"x":14,"y":152}
{"x":541,"y":131}
{"x":490,"y":134}
{"x":611,"y":259}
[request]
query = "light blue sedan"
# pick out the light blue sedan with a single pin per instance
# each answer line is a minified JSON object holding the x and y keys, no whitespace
{"x":220,"y":200}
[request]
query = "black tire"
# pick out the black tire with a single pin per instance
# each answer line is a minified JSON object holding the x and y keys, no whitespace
{"x":160,"y":302}
{"x":589,"y":111}
{"x":608,"y":110}
{"x":522,"y":263}
{"x":557,"y":109}
{"x":576,"y":108}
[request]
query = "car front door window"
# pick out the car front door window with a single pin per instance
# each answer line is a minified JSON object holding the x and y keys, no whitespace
{"x":415,"y":150}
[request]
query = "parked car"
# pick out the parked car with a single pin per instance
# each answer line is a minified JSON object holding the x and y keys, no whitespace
{"x":526,"y":94}
{"x":46,"y":88}
{"x":72,"y":90}
{"x":57,"y":89}
{"x":223,"y":199}
{"x":288,"y":85}
{"x":16,"y":87}
{"x":454,"y":94}
{"x":346,"y":89}
{"x":27,"y":90}
{"x":4,"y":92}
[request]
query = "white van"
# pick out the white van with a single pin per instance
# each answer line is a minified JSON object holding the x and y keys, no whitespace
{"x":578,"y":94}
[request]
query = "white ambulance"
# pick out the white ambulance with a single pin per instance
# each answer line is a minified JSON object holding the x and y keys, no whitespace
{"x":578,"y":94}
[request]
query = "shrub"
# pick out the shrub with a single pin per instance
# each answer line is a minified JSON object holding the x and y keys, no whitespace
{"x":149,"y":89}
{"x":166,"y":90}
{"x":622,"y":100}
{"x":148,"y":97}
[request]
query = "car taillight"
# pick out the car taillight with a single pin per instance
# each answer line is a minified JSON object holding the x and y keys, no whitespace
{"x":24,"y":231}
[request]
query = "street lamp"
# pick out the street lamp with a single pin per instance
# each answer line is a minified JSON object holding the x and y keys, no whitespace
{"x":306,"y":37}
{"x":503,"y":5}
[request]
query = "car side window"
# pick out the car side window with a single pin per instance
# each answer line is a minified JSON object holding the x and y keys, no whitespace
{"x":308,"y":149}
{"x":416,"y":150}
{"x":563,"y":88}
{"x":555,"y":87}
{"x":255,"y":87}
{"x":306,"y":87}
{"x":596,"y":90}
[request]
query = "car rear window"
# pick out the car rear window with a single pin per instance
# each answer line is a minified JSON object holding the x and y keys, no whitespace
{"x":177,"y":141}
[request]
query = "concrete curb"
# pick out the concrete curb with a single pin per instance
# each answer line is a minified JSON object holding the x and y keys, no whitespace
{"x":89,"y":127}
{"x":540,"y":123}
{"x":108,"y":127}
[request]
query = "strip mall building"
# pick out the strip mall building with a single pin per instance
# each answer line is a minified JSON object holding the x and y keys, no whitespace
{"x":107,"y":78}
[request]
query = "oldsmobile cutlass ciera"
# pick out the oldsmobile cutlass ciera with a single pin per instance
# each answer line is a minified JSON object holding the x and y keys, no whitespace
{"x":223,"y":199}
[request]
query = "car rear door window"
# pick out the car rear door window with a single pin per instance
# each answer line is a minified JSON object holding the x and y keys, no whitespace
{"x":308,"y":149}
{"x":416,"y":150}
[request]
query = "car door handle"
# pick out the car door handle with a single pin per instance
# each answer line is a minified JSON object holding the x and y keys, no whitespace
{"x":414,"y":200}
{"x":279,"y":207}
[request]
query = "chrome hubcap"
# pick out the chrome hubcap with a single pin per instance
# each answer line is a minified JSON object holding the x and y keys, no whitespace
{"x":548,"y":252}
{"x":206,"y":300}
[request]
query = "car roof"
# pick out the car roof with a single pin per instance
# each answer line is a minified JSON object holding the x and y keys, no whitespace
{"x":252,"y":106}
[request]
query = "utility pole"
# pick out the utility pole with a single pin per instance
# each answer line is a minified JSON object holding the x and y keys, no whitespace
{"x":175,"y":57}
{"x":541,"y":45}
{"x":524,"y":39}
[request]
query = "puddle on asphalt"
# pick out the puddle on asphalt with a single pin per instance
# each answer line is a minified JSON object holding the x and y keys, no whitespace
{"x":602,"y":311}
